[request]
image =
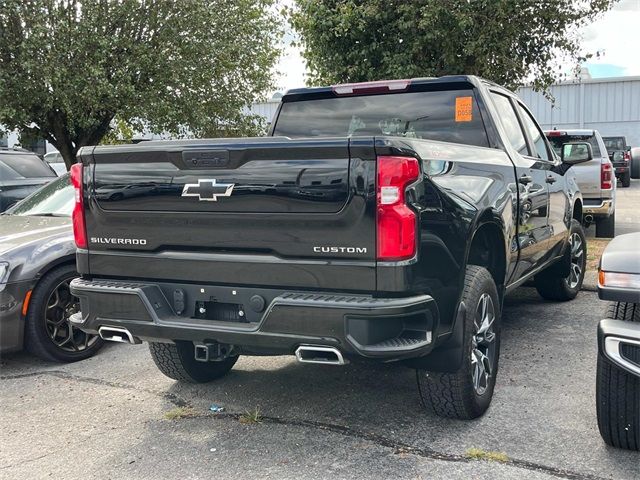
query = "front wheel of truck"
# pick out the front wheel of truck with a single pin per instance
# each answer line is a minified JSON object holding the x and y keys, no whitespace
{"x":177,"y":361}
{"x":554,"y":283}
{"x":466,"y":393}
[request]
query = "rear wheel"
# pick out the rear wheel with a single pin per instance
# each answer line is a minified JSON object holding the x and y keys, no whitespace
{"x":618,"y":391}
{"x":177,"y":361}
{"x":606,"y":226}
{"x":625,"y":179}
{"x":467,"y":393}
{"x":554,"y":283}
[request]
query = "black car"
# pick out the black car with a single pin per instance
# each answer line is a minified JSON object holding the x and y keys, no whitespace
{"x":21,"y":173}
{"x":37,"y":263}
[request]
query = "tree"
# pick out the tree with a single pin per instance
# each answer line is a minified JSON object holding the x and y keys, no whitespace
{"x":507,"y":41}
{"x":69,"y":67}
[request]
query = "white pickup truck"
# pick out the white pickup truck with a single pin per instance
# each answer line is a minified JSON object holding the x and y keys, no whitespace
{"x":596,"y":179}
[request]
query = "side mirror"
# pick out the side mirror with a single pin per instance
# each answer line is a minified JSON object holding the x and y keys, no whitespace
{"x":576,"y":152}
{"x":628,"y":148}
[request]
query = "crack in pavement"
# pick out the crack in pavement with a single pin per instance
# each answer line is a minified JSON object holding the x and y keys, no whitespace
{"x":397,"y":446}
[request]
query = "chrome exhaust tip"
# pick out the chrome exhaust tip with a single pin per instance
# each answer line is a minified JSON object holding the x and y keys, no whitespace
{"x":118,"y":334}
{"x":318,"y":354}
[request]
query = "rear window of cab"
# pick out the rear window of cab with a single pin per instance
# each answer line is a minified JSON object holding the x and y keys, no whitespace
{"x":448,"y":116}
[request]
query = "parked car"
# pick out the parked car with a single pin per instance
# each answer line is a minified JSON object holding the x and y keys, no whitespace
{"x":55,"y":160}
{"x":620,"y":155}
{"x":37,"y":263}
{"x":595,"y":179}
{"x":21,"y":173}
{"x":402,"y":213}
{"x":618,"y":377}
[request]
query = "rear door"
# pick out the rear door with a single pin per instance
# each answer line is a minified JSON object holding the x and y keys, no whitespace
{"x":255,"y":212}
{"x":533,"y":195}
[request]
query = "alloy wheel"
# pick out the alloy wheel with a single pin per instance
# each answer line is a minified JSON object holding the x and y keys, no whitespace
{"x":483,"y":344}
{"x":576,"y":247}
{"x":60,"y":305}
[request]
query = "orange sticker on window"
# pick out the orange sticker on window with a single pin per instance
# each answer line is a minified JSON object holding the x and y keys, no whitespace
{"x":464,"y":109}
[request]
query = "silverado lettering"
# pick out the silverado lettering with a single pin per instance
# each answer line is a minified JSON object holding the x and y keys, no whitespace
{"x":447,"y":186}
{"x":119,"y":241}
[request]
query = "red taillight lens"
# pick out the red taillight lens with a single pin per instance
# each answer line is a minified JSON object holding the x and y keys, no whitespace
{"x":605,"y":176}
{"x":627,"y":157}
{"x":396,"y":222}
{"x":77,"y":217}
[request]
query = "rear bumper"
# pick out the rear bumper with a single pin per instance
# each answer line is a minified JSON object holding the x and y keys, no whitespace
{"x":601,"y":208}
{"x":619,"y":341}
{"x":273,"y":322}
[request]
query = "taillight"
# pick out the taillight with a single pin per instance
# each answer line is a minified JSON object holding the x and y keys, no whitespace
{"x":77,"y":217}
{"x":627,"y":157}
{"x":396,"y":222}
{"x":605,"y":176}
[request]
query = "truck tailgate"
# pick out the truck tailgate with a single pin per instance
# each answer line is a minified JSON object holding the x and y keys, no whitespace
{"x":264,"y":211}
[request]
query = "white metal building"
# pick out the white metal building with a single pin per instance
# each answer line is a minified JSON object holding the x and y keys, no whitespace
{"x":609,"y":105}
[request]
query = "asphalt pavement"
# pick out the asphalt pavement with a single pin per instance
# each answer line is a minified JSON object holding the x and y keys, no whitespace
{"x":105,"y":417}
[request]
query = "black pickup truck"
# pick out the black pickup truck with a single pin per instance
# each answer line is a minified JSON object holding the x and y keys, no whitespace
{"x":378,"y":222}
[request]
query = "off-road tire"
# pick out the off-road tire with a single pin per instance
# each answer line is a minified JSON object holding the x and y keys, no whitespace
{"x":176,"y":361}
{"x":625,"y":179}
{"x":618,"y":391}
{"x":606,"y":226}
{"x":552,"y":283}
{"x":37,"y":340}
{"x":452,"y":395}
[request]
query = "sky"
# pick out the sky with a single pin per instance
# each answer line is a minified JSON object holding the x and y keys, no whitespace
{"x":616,"y":34}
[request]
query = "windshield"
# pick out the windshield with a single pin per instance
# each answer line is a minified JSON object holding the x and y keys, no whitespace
{"x":15,"y":167}
{"x":557,"y":141}
{"x":614,"y":143}
{"x":54,"y":199}
{"x":448,"y":116}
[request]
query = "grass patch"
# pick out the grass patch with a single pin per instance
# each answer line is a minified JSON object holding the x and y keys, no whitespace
{"x":179,"y":412}
{"x":479,"y":454}
{"x":595,"y":247}
{"x":251,"y":417}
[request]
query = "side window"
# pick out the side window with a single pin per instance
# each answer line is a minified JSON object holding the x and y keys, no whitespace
{"x":510,"y":123}
{"x":535,"y":133}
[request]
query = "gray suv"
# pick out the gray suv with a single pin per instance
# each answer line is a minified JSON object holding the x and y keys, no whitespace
{"x":596,"y":179}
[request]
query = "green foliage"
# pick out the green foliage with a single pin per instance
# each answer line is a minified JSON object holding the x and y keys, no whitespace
{"x":188,"y":67}
{"x":507,"y":41}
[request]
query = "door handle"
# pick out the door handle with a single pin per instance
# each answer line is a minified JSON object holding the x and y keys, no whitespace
{"x":525,"y":179}
{"x":551,"y":179}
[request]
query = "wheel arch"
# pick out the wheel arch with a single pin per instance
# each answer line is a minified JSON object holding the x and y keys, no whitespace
{"x":488,"y":249}
{"x":65,"y":260}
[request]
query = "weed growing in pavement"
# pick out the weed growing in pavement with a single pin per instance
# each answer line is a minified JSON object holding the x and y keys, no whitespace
{"x":479,"y":454}
{"x":179,"y":412}
{"x":250,"y":417}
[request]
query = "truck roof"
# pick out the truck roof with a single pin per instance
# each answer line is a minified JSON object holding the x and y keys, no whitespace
{"x":388,"y":86}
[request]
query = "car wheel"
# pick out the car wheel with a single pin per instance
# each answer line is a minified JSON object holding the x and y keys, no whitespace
{"x":618,"y":391}
{"x":554,"y":283}
{"x":625,"y":179}
{"x":606,"y":227}
{"x":467,"y":393}
{"x":177,"y":361}
{"x":49,"y":333}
